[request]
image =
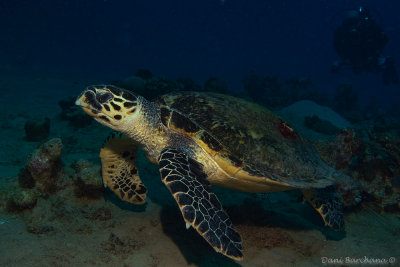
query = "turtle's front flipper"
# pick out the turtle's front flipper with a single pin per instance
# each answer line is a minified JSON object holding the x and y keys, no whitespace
{"x":327,"y":202}
{"x":118,"y":160}
{"x":200,"y":207}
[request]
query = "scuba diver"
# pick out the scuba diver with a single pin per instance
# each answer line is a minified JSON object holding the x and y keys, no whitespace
{"x":360,"y":41}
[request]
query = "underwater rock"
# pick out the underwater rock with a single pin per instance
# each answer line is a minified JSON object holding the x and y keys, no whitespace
{"x":73,"y":114}
{"x":321,"y":126}
{"x":132,"y":83}
{"x":301,"y":89}
{"x":345,"y":99}
{"x":21,"y":199}
{"x":37,"y":129}
{"x":39,"y":229}
{"x":378,"y":169}
{"x":189,"y":84}
{"x":144,"y":74}
{"x":216,"y":85}
{"x":276,"y":95}
{"x":271,"y":92}
{"x":296,"y":113}
{"x":44,"y":165}
{"x":350,"y":190}
{"x":158,"y":86}
{"x":88,"y":182}
{"x":373,"y":162}
{"x":345,"y":102}
{"x":347,"y":145}
{"x":66,"y":103}
{"x":25,"y":179}
{"x":254,"y":86}
{"x":272,"y":85}
{"x":396,"y":182}
{"x":298,"y":84}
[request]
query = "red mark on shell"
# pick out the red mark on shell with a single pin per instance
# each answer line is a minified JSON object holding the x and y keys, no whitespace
{"x":286,"y":131}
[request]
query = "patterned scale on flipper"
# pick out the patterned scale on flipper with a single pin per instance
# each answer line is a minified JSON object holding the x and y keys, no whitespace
{"x":120,"y":174}
{"x":200,"y":207}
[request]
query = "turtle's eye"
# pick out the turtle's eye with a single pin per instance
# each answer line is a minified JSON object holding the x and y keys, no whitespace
{"x":129,"y":96}
{"x":103,"y":97}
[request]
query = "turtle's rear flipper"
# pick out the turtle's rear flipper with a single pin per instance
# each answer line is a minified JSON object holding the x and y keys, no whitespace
{"x":200,"y":207}
{"x":118,"y":160}
{"x":327,"y":202}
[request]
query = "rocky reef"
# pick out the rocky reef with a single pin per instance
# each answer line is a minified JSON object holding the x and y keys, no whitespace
{"x":72,"y":113}
{"x":87,"y":182}
{"x":320,"y":126}
{"x":37,"y":129}
{"x":19,"y":199}
{"x":372,"y":159}
{"x":41,"y":176}
{"x":345,"y":102}
{"x":149,"y":86}
{"x":216,"y":85}
{"x":273,"y":93}
{"x":44,"y":175}
{"x":44,"y":165}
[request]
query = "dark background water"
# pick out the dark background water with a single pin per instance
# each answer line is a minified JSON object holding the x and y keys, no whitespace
{"x":181,"y":38}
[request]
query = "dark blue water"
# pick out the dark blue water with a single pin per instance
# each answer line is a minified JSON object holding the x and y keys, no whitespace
{"x":196,"y":39}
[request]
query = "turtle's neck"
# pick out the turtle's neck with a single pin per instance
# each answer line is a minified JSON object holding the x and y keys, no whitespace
{"x":146,"y":128}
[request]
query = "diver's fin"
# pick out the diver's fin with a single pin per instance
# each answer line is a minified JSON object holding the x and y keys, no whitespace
{"x":118,"y":160}
{"x":201,"y":209}
{"x":328,"y":204}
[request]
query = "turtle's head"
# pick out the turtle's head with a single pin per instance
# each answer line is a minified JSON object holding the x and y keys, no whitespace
{"x":109,"y":105}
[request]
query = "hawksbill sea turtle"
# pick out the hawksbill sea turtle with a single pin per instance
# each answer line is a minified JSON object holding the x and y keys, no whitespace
{"x":203,"y":139}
